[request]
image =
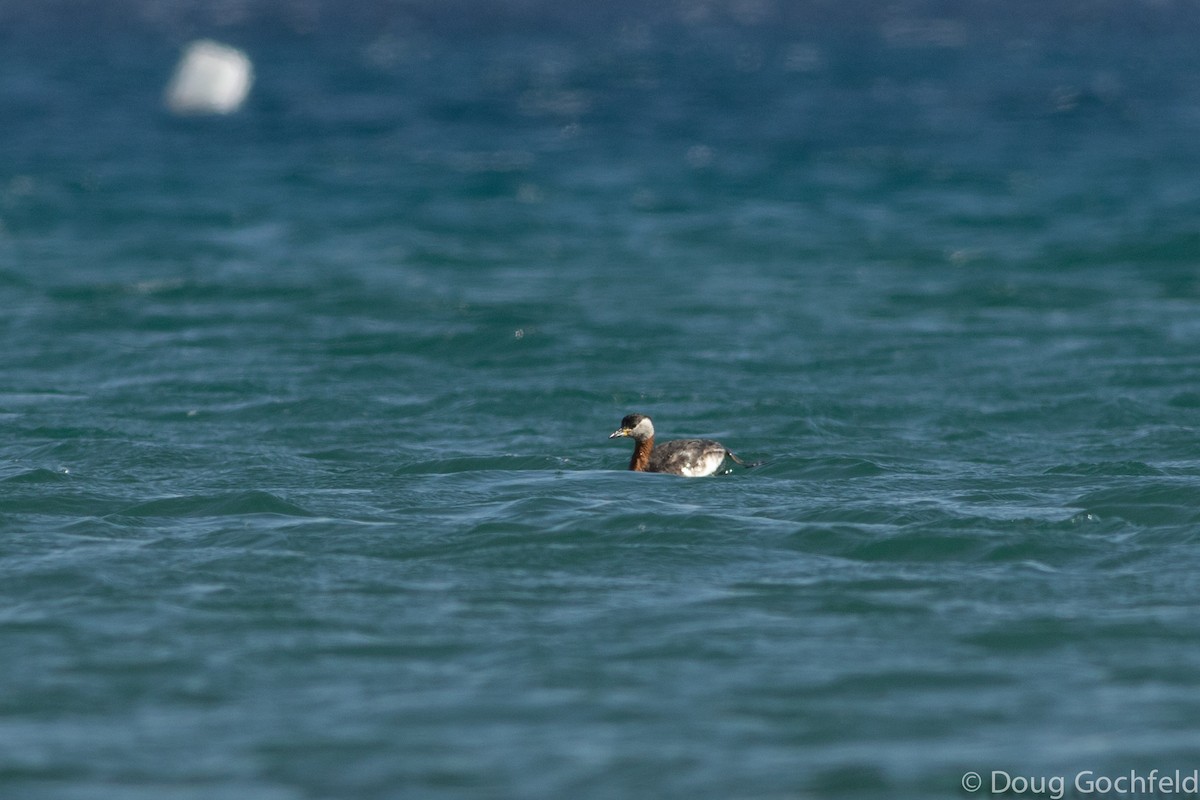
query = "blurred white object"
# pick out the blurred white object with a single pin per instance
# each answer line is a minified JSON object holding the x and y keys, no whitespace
{"x":211,"y":78}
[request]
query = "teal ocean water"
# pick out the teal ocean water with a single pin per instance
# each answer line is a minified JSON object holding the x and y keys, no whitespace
{"x":305,"y":485}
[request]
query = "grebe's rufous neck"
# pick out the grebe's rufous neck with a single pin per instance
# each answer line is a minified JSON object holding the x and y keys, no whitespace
{"x":691,"y":458}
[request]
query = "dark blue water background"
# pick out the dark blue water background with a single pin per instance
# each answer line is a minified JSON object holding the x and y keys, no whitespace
{"x":305,"y":490}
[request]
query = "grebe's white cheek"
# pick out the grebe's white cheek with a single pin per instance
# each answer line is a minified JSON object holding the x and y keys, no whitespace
{"x":644,"y":429}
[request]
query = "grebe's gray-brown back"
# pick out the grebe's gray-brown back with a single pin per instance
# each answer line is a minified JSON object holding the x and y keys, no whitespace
{"x":691,"y":458}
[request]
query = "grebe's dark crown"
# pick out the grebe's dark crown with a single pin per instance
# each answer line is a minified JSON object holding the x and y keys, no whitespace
{"x":631,"y":420}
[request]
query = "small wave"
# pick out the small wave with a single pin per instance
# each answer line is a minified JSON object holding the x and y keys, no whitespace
{"x":1151,"y":504}
{"x":508,"y":463}
{"x":921,"y":546}
{"x":842,"y":467}
{"x":39,"y":475}
{"x":1185,"y":400}
{"x":221,"y":505}
{"x":35,"y":398}
{"x":1115,"y":468}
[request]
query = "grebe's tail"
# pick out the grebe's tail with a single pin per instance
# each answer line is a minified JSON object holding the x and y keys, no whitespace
{"x":741,"y":463}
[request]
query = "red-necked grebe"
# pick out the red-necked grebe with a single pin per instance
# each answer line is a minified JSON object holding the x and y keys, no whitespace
{"x":691,"y":458}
